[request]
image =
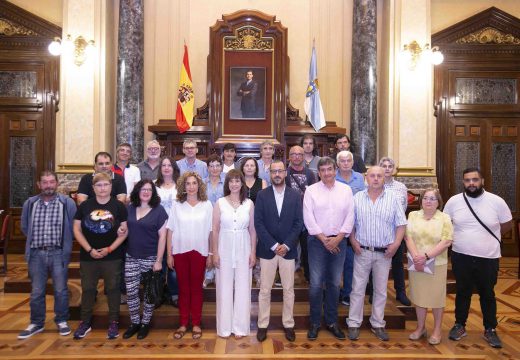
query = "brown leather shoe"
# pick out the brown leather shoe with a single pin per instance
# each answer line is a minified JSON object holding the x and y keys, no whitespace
{"x":261,"y":334}
{"x":289,"y":334}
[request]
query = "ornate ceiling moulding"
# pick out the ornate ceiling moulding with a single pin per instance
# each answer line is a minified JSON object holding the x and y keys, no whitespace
{"x":489,"y":36}
{"x":9,"y":28}
{"x":248,"y":38}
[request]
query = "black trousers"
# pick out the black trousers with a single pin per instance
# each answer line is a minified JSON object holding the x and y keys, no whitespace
{"x":471,"y":271}
{"x":304,"y":259}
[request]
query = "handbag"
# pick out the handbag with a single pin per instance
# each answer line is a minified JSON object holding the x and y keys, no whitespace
{"x":480,"y":221}
{"x":153,"y":283}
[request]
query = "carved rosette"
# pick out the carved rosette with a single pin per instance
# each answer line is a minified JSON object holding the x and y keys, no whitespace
{"x":10,"y":29}
{"x":487,"y":36}
{"x":248,"y":38}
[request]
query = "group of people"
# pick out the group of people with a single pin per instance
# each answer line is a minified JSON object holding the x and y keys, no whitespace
{"x":330,"y":216}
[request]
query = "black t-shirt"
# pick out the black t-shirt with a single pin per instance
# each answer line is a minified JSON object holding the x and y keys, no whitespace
{"x":85,"y":185}
{"x":99,"y":224}
{"x":300,"y":180}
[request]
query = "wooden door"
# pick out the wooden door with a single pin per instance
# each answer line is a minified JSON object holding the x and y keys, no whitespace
{"x":29,"y":80}
{"x":477,"y":100}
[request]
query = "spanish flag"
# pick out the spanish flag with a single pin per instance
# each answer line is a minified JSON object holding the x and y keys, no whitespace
{"x":185,"y":98}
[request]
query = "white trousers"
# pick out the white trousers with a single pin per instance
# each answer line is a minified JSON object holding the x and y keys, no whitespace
{"x":233,"y":310}
{"x":380,"y":266}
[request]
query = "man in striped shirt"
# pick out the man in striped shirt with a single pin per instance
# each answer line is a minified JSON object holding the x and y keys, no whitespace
{"x":379,"y":227}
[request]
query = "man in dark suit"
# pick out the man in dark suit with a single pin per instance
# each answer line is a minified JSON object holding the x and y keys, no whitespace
{"x":248,"y":91}
{"x":278,"y":223}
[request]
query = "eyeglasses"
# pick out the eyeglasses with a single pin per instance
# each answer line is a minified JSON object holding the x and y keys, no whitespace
{"x":430,"y":198}
{"x":154,"y":149}
{"x":215,"y":166}
{"x":146,"y":190}
{"x":277,"y":171}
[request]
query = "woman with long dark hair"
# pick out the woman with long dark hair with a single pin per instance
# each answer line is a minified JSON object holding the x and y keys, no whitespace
{"x":144,"y":251}
{"x":234,"y":255}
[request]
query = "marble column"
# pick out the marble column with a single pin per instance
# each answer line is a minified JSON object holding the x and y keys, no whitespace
{"x":130,"y":77}
{"x":363,"y":116}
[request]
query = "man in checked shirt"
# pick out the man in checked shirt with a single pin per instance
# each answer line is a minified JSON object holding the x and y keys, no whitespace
{"x":47,"y":222}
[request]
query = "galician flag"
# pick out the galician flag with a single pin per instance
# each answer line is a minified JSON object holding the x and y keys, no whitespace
{"x":312,"y":104}
{"x":185,"y":98}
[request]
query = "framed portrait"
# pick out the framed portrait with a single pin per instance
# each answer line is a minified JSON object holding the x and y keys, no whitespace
{"x":247,"y":95}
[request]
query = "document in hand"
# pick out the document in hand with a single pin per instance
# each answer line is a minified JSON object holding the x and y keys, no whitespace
{"x":429,"y":266}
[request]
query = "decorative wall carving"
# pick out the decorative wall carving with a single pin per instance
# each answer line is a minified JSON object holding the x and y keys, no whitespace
{"x":8,"y":28}
{"x":22,"y":168}
{"x":486,"y":91}
{"x":467,"y":154}
{"x":248,"y":38}
{"x":489,"y":35}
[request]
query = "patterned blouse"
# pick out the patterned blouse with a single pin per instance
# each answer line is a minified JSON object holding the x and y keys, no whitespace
{"x":426,"y":234}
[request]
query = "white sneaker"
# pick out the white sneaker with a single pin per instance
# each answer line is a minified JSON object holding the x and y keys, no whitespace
{"x":63,"y":328}
{"x":30,"y":331}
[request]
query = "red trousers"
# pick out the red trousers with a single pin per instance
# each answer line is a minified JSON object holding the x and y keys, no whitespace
{"x":190,"y":267}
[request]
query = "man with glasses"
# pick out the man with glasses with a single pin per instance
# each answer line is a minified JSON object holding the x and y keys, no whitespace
{"x":102,"y":164}
{"x":149,"y":167}
{"x":277,"y":232}
{"x":328,"y":213}
{"x":190,"y":161}
{"x":299,"y":177}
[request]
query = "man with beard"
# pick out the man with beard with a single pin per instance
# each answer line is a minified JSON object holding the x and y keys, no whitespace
{"x":479,"y":218}
{"x":47,"y":221}
{"x":341,"y":143}
{"x":278,"y":223}
{"x":149,"y":167}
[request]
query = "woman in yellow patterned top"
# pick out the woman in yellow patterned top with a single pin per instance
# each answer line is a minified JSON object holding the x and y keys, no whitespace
{"x":429,"y":234}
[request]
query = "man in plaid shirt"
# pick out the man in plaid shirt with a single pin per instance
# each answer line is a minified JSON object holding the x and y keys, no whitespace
{"x":47,"y":222}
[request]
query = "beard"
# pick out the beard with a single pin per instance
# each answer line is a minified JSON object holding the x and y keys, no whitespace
{"x":474,"y":193}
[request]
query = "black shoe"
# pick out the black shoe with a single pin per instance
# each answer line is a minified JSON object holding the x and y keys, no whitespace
{"x":143,"y":331}
{"x":312,"y":334}
{"x":289,"y":334}
{"x":336,"y":331}
{"x":490,"y":335}
{"x":403,"y":299}
{"x":457,"y":332}
{"x":132,"y":330}
{"x":261,"y":334}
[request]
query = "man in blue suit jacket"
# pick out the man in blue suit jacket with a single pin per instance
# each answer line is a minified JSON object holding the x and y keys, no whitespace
{"x":278,"y":223}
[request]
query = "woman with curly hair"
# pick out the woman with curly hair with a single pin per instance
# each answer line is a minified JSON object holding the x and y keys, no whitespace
{"x":144,"y":251}
{"x":189,"y":231}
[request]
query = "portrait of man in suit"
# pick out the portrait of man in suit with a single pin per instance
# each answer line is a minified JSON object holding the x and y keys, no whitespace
{"x":247,"y":93}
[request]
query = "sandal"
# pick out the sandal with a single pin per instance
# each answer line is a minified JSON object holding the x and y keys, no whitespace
{"x":179,"y":333}
{"x":196,"y":334}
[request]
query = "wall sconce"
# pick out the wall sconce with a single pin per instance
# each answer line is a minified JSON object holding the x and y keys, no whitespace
{"x":80,"y":48}
{"x":413,"y":53}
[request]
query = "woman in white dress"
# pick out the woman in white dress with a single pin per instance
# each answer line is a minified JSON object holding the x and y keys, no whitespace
{"x":234,"y":255}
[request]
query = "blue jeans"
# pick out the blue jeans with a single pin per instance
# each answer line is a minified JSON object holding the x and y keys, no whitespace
{"x":41,"y":263}
{"x":348,"y":272}
{"x":325,"y":269}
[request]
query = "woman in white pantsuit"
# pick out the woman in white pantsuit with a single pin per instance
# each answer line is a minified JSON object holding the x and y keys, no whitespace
{"x":234,"y":255}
